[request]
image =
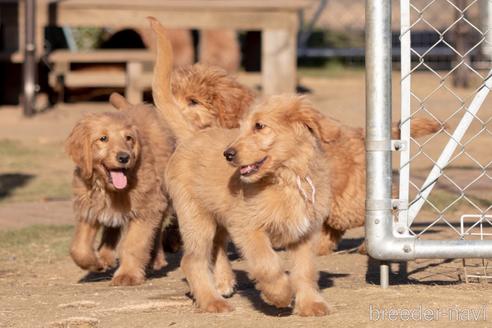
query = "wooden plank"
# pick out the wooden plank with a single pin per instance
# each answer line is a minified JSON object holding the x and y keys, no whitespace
{"x":279,"y":61}
{"x":133,"y":92}
{"x":76,"y":79}
{"x":192,"y":4}
{"x":102,"y":56}
{"x":105,"y":79}
{"x":197,"y":19}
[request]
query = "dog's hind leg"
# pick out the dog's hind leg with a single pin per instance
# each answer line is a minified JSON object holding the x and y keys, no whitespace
{"x":264,"y":267}
{"x":107,"y":249}
{"x":136,"y":248}
{"x":158,"y":256}
{"x":304,"y":278}
{"x":198,"y":230}
{"x":82,"y":248}
{"x":223,"y":274}
{"x":329,"y":240}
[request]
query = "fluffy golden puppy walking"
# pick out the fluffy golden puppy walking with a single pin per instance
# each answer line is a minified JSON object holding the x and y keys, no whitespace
{"x":269,"y":191}
{"x":118,"y":184}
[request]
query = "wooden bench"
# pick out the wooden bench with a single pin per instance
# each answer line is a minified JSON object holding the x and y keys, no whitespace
{"x":278,"y":21}
{"x":133,"y":78}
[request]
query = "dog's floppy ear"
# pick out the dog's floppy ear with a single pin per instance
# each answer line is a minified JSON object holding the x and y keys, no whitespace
{"x":118,"y":101}
{"x":232,"y":105}
{"x":137,"y":147}
{"x":324,"y":128}
{"x":78,"y":147}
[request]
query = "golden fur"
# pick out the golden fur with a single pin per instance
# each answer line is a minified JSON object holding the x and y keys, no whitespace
{"x":281,"y":138}
{"x":97,"y":145}
{"x":346,"y":157}
{"x":209,"y":97}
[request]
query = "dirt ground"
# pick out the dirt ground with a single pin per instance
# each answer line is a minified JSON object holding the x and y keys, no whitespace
{"x":40,"y":285}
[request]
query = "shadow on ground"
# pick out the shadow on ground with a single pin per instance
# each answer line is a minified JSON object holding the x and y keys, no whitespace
{"x":11,"y":181}
{"x":173,"y":260}
{"x":399,"y":274}
{"x":246,"y":287}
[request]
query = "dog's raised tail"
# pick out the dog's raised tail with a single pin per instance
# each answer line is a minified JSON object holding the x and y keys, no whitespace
{"x":161,"y":84}
{"x":419,"y":127}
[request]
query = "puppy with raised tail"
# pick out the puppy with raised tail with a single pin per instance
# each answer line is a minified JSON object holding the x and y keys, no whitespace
{"x":269,"y":191}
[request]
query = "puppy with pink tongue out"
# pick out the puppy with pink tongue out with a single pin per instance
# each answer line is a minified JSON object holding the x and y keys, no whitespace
{"x":117,"y":184}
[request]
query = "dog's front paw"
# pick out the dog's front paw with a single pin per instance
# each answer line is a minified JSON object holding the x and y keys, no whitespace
{"x":217,"y":306}
{"x":278,"y":293}
{"x":107,"y":258}
{"x":312,"y":309}
{"x":226,"y":287}
{"x":225,"y":281}
{"x":326,"y":246}
{"x":127,"y":279}
{"x":159,"y":261}
{"x":86,"y":260}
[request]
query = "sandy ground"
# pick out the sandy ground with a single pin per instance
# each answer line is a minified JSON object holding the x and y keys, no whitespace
{"x":40,"y":285}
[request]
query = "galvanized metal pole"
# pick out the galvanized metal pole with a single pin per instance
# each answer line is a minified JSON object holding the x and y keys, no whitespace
{"x":29,"y":68}
{"x":378,"y":127}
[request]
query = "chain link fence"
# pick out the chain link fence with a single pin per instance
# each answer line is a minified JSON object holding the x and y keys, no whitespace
{"x":459,"y":183}
{"x":443,"y":204}
{"x":446,"y":178}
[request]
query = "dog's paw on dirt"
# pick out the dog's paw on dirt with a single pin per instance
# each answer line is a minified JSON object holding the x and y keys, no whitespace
{"x":159,"y":262}
{"x":217,"y":306}
{"x":127,"y":279}
{"x":226,"y":289}
{"x":278,"y":294}
{"x":107,"y":259}
{"x":225,"y":284}
{"x":87,"y":261}
{"x":312,"y":309}
{"x":277,"y":300}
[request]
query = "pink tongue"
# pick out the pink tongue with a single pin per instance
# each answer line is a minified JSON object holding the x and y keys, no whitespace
{"x":246,"y":169}
{"x":119,"y":179}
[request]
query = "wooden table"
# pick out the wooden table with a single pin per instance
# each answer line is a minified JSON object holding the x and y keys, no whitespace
{"x":278,"y":21}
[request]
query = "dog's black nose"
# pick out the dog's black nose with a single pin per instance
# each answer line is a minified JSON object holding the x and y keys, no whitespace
{"x":229,"y":154}
{"x":123,"y":157}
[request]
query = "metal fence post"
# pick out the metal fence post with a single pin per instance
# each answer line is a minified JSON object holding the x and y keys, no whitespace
{"x":378,"y":127}
{"x":29,"y":67}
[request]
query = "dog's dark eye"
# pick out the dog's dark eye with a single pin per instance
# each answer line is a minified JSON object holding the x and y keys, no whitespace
{"x":259,"y":126}
{"x":129,"y":138}
{"x":103,"y":139}
{"x":192,"y":102}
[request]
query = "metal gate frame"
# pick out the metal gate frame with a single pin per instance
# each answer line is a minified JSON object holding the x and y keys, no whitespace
{"x":387,"y":241}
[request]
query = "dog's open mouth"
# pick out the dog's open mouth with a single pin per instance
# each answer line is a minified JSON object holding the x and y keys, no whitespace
{"x":250,"y":169}
{"x":118,"y":178}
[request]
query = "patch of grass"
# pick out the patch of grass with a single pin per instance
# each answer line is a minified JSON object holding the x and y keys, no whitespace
{"x":33,"y":172}
{"x":37,"y":242}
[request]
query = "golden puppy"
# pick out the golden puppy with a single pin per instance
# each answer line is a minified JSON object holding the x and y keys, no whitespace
{"x":118,"y":183}
{"x":210,"y":97}
{"x":272,"y":193}
{"x":347,"y":178}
